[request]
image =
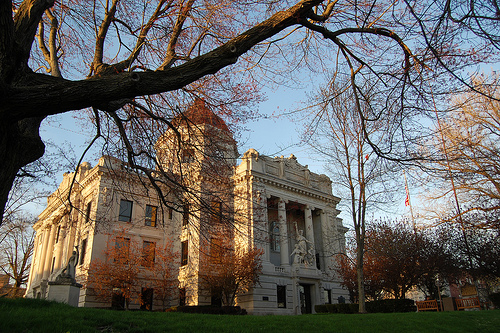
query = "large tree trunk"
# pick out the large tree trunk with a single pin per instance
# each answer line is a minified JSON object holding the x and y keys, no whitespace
{"x":20,"y":144}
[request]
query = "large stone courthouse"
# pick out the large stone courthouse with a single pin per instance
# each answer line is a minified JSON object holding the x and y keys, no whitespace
{"x":273,"y":204}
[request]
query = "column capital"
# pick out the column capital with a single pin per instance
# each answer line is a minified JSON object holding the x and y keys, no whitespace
{"x":281,"y":200}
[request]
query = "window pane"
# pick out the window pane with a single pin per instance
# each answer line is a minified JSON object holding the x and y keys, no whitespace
{"x":185,"y":215}
{"x":87,"y":213}
{"x":216,"y":213}
{"x":122,"y":246}
{"x":182,"y":296}
{"x":148,"y":253}
{"x":275,"y":237}
{"x":184,"y":253}
{"x":84,"y":248}
{"x":150,"y":216}
{"x":147,"y":299}
{"x":281,"y":296}
{"x":125,"y":211}
{"x":188,"y":156}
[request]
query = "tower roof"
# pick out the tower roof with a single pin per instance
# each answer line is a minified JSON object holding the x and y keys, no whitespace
{"x":200,"y":114}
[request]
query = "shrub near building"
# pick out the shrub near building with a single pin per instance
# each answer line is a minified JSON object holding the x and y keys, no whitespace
{"x":381,"y":306}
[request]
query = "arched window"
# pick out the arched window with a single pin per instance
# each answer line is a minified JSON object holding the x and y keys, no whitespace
{"x":275,"y":236}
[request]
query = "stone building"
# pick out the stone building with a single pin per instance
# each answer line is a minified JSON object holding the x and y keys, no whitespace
{"x":274,"y":204}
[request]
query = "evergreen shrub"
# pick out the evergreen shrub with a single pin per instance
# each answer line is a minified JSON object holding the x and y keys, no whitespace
{"x":495,"y":299}
{"x":210,"y":309}
{"x":381,"y":306}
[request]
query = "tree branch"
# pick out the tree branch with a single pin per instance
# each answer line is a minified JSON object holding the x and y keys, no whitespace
{"x":26,"y":22}
{"x":42,"y":94}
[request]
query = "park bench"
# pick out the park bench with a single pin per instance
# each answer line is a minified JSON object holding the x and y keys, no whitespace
{"x":430,"y":305}
{"x":468,"y":303}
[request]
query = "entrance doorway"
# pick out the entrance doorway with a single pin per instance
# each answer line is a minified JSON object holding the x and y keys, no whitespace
{"x":305,"y":298}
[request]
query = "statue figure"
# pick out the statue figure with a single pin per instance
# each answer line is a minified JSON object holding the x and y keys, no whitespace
{"x":69,"y":270}
{"x":301,"y":252}
{"x":299,"y":255}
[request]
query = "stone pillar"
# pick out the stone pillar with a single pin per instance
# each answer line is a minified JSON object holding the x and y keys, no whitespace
{"x":49,"y":252}
{"x":59,"y":246}
{"x":267,"y":231}
{"x":43,"y":253}
{"x":70,"y":241}
{"x":33,"y":268}
{"x":309,"y":227}
{"x":327,"y":252}
{"x":284,"y":253}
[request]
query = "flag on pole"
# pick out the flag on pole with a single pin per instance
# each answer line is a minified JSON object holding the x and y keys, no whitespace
{"x":407,"y":199}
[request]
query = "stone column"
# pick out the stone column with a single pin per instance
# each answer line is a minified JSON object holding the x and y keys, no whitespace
{"x":327,"y":252}
{"x":43,"y":253}
{"x":284,"y":253}
{"x":70,"y":241}
{"x":267,"y":231}
{"x":59,"y":246}
{"x":309,"y":227}
{"x":33,"y":268}
{"x":49,"y":252}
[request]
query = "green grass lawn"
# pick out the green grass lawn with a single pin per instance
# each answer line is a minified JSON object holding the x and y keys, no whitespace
{"x":28,"y":315}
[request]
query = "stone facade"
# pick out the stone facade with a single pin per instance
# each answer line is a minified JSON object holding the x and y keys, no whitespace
{"x":274,"y":204}
{"x":294,"y":221}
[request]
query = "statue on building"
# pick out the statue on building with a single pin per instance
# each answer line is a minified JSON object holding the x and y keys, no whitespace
{"x":69,"y":271}
{"x":298,"y":254}
{"x":301,"y":251}
{"x":64,"y":288}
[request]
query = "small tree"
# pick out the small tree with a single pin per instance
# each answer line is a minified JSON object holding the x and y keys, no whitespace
{"x":397,"y":256}
{"x":346,"y":269}
{"x":163,"y":272}
{"x":232,"y":272}
{"x":118,"y":272}
{"x":436,"y":261}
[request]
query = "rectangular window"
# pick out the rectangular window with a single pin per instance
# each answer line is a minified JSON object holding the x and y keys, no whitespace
{"x":148,"y":253}
{"x":170,"y":213}
{"x":185,"y":215}
{"x":327,"y":293}
{"x":216,"y":250}
{"x":216,"y":299}
{"x":184,"y":253}
{"x":58,"y":234}
{"x":151,"y":212}
{"x":188,"y":156}
{"x":182,"y":296}
{"x":87,"y":212}
{"x":281,"y":293}
{"x":147,"y":299}
{"x":84,"y":248}
{"x":216,"y":213}
{"x":275,"y":236}
{"x":122,"y":246}
{"x":117,"y":299}
{"x":125,"y":211}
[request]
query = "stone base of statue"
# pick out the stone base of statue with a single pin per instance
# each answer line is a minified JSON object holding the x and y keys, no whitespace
{"x":64,"y":290}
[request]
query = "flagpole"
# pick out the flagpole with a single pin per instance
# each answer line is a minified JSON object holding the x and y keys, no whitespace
{"x":408,"y":202}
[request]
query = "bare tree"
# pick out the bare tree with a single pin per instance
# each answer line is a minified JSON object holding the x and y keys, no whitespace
{"x":105,"y":55}
{"x":467,"y":158}
{"x":16,"y":248}
{"x":339,"y":134}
